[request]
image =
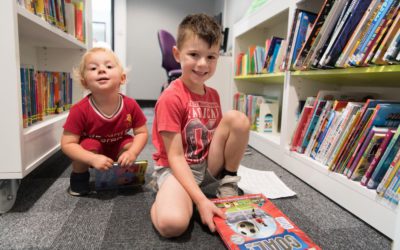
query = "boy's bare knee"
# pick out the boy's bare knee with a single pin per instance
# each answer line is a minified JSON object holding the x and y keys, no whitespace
{"x":238,"y":120}
{"x":171,"y":226}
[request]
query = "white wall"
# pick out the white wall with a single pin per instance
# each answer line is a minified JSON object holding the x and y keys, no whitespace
{"x":144,"y":19}
{"x":233,"y":12}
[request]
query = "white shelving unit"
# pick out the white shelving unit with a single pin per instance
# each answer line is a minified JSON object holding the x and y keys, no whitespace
{"x":29,"y":40}
{"x":274,"y":18}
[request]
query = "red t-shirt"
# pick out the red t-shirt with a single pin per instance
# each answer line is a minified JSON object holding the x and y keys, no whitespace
{"x":194,"y":116}
{"x":86,"y":121}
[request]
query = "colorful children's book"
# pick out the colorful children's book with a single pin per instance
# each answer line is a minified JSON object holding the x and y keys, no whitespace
{"x":253,"y":222}
{"x":118,"y":176}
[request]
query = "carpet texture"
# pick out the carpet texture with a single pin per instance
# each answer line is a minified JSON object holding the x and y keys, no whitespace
{"x":46,"y":217}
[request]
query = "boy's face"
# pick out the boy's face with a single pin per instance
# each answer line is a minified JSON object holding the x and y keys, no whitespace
{"x":102,"y":73}
{"x":198,"y":61}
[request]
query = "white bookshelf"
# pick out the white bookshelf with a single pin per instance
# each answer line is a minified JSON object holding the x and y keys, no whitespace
{"x":274,"y":18}
{"x":30,"y":40}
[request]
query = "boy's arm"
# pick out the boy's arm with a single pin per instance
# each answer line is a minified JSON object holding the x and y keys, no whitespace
{"x":182,"y":172}
{"x":140,"y":140}
{"x":70,"y":146}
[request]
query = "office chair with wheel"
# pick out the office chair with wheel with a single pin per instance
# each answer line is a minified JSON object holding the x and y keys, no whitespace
{"x":172,"y":67}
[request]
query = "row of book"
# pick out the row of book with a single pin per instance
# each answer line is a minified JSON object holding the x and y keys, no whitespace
{"x":44,"y":93}
{"x":355,"y":135}
{"x":262,"y":60}
{"x":67,"y":15}
{"x":345,"y":33}
{"x":262,"y":111}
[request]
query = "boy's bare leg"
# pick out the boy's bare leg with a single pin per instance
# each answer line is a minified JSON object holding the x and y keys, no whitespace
{"x":229,"y":142}
{"x":172,"y":210}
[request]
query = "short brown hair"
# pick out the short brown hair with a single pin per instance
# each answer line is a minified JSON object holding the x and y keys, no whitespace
{"x":200,"y":25}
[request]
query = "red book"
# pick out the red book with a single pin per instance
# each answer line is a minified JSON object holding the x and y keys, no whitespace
{"x":300,"y":127}
{"x":254,"y":222}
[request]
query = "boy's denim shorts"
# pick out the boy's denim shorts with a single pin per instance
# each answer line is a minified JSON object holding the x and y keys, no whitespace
{"x":200,"y":172}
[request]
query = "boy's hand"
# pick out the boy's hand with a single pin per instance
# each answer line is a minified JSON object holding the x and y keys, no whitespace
{"x":208,"y":210}
{"x":126,"y":158}
{"x":101,"y":162}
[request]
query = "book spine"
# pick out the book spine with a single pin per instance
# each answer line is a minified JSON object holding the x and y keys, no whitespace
{"x":376,"y":158}
{"x":384,"y":163}
{"x":383,"y":185}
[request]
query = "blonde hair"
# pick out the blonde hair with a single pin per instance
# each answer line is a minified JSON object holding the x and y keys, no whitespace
{"x":79,"y":73}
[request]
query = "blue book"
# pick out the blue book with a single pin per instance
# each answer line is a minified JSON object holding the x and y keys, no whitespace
{"x":305,"y":19}
{"x":274,"y":55}
{"x":268,"y":54}
{"x":370,"y":33}
{"x":322,"y":137}
{"x":314,"y":119}
{"x":347,"y":31}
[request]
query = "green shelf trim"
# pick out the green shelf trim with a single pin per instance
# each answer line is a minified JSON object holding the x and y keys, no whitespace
{"x":263,"y":78}
{"x":361,"y":70}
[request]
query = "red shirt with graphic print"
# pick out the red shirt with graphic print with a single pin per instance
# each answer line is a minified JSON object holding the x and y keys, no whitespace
{"x":194,"y":116}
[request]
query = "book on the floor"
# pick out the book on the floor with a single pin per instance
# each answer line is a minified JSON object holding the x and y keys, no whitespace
{"x":254,"y":222}
{"x":118,"y":176}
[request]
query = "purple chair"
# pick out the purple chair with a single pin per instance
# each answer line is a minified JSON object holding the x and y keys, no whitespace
{"x":172,"y":67}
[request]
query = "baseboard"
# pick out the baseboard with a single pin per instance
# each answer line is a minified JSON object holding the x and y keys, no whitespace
{"x":147,"y":103}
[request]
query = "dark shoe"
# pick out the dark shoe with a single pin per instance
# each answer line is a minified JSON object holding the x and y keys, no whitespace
{"x":79,"y":184}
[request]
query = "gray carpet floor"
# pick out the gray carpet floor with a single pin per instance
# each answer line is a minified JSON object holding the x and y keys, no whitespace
{"x":46,"y":217}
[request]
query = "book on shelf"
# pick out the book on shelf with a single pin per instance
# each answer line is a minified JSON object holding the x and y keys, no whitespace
{"x":307,"y":109}
{"x":268,"y":117}
{"x":43,"y":93}
{"x":380,"y":34}
{"x":377,"y":36}
{"x":66,"y":15}
{"x":327,"y":31}
{"x":321,"y":123}
{"x":392,"y":192}
{"x":342,"y":132}
{"x":342,"y":158}
{"x":316,"y":28}
{"x":273,"y":48}
{"x":385,"y":161}
{"x":361,"y":47}
{"x":367,"y":152}
{"x":390,"y":173}
{"x":344,"y":32}
{"x":326,"y":137}
{"x":387,"y":40}
{"x":377,"y":156}
{"x":254,"y":222}
{"x":312,"y":118}
{"x":359,"y":30}
{"x":384,"y":115}
{"x":393,"y":50}
{"x":302,"y":24}
{"x":120,"y":177}
{"x":279,"y":57}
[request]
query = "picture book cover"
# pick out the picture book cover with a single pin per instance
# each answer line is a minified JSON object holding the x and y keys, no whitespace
{"x":119,"y":176}
{"x":253,"y":222}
